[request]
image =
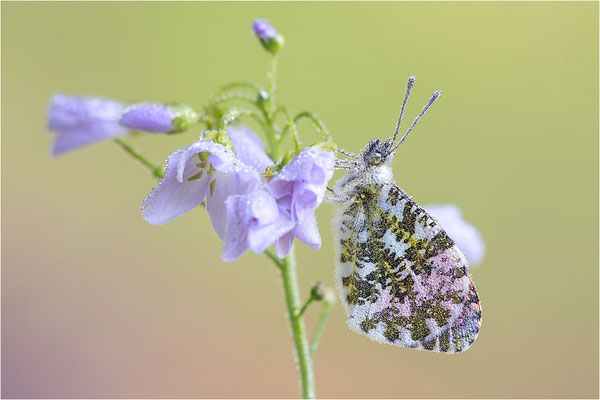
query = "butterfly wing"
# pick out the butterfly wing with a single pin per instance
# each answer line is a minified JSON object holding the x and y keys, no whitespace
{"x":402,"y":280}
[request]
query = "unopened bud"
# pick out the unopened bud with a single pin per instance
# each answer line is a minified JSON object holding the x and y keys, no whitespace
{"x":158,"y":118}
{"x":268,"y":36}
{"x":318,"y":291}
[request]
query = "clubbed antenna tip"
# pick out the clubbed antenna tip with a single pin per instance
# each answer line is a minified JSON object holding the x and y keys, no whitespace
{"x":433,"y":98}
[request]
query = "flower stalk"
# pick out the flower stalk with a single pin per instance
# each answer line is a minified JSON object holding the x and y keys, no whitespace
{"x":287,"y":266}
{"x":289,"y":280}
{"x":157,"y":169}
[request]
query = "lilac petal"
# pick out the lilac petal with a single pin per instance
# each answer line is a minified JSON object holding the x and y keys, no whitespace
{"x":465,"y":235}
{"x":307,"y":231}
{"x":260,"y":238}
{"x":254,"y":221}
{"x":85,"y":120}
{"x":248,"y":148}
{"x":186,"y":183}
{"x":148,"y":117}
{"x":312,"y":166}
{"x":237,"y":242}
{"x":219,"y":157}
{"x":175,"y":195}
{"x":236,"y":180}
{"x":283,"y":245}
{"x":66,"y":142}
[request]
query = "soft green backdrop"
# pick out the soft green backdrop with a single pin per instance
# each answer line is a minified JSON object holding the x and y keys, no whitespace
{"x":98,"y":303}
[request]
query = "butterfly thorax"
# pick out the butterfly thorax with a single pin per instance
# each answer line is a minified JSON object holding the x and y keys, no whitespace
{"x":356,"y":181}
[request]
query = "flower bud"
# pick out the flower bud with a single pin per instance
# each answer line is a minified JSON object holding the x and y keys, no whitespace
{"x":318,"y":291}
{"x":268,"y":36}
{"x":263,"y":97}
{"x":158,"y":118}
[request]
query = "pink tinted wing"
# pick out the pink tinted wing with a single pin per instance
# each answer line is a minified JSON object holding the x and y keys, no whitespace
{"x":402,"y":280}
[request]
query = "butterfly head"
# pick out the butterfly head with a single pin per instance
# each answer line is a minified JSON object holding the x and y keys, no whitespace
{"x":377,"y":152}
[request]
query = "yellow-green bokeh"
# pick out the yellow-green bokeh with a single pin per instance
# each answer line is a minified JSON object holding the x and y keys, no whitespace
{"x":98,"y":303}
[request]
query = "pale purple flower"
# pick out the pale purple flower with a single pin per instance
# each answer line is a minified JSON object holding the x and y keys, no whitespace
{"x":203,"y":170}
{"x":148,"y":117}
{"x":299,"y":188}
{"x":254,"y":221}
{"x":465,"y":235}
{"x":80,"y":121}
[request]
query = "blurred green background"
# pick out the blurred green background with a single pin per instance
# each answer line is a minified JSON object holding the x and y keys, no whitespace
{"x":98,"y":303}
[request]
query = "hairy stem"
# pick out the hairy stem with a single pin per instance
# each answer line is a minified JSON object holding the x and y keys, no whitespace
{"x":287,"y":266}
{"x":325,"y":310}
{"x":271,"y":77}
{"x":239,"y":84}
{"x":317,"y":122}
{"x":305,"y":306}
{"x":293,"y":304}
{"x":157,"y":169}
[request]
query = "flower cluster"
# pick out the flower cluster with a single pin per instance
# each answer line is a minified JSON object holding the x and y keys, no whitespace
{"x":248,"y":209}
{"x":252,"y":203}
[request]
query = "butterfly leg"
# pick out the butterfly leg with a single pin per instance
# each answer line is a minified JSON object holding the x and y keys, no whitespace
{"x":337,"y":197}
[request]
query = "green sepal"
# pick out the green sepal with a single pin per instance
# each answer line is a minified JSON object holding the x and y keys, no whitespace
{"x":273,"y":44}
{"x":183,"y":116}
{"x":219,"y":136}
{"x":264,"y":101}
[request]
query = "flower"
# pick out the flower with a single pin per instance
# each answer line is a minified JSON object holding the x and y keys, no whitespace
{"x":203,"y":170}
{"x":80,"y":121}
{"x":268,"y":36}
{"x":299,"y":189}
{"x":158,"y":118}
{"x":465,"y":235}
{"x":254,"y":221}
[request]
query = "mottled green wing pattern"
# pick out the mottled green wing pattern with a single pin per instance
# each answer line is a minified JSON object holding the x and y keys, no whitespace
{"x":402,"y":279}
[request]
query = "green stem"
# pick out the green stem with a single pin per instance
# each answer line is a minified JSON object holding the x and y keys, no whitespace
{"x":305,"y":306}
{"x":157,"y":170}
{"x":273,"y":258}
{"x":238,"y":112}
{"x":292,"y":302}
{"x":239,"y":84}
{"x":291,"y":127}
{"x":234,"y":96}
{"x":325,"y":310}
{"x":317,"y":122}
{"x":271,"y":78}
{"x":287,"y":266}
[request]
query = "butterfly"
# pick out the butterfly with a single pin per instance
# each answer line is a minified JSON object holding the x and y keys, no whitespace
{"x":401,"y":279}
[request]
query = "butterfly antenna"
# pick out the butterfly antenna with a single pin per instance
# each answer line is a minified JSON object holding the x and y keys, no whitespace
{"x":433,"y":98}
{"x":347,"y":153}
{"x":409,"y":86}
